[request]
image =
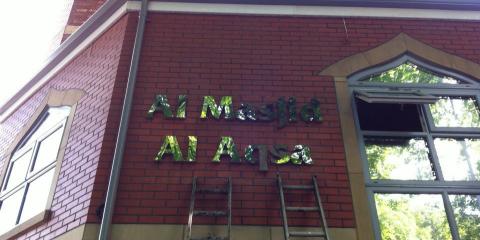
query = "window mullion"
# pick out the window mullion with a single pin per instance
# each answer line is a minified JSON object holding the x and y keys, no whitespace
{"x":32,"y":159}
{"x":40,"y":173}
{"x":22,"y":204}
{"x":374,"y":215}
{"x":410,"y":188}
{"x":393,"y":134}
{"x":436,"y":163}
{"x":450,"y":216}
{"x":477,"y":100}
{"x":428,"y":122}
{"x":455,"y":135}
{"x":12,"y":191}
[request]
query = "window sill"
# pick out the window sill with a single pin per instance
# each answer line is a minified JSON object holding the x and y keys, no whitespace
{"x":34,"y":221}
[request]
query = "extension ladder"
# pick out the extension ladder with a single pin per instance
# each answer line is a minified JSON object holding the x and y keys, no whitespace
{"x":228,"y":213}
{"x":314,"y":187}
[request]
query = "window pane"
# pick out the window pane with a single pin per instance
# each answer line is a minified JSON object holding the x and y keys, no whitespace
{"x":48,"y":150}
{"x":18,"y":170}
{"x":9,"y":210}
{"x":391,"y":96}
{"x":409,"y":216}
{"x":398,"y":158}
{"x":55,"y":115}
{"x":411,"y":73}
{"x":388,"y":117}
{"x":455,"y":112}
{"x":467,"y":215}
{"x":459,"y":158}
{"x":37,"y":196}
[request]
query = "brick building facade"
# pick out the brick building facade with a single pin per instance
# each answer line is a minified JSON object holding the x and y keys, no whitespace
{"x":256,"y":55}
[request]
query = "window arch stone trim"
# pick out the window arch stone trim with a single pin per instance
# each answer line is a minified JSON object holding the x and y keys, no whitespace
{"x":399,"y":45}
{"x":54,"y":98}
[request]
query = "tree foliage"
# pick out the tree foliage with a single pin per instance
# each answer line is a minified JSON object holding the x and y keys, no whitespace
{"x":455,"y":112}
{"x":411,"y":73}
{"x":408,"y":217}
{"x":467,"y":215}
{"x":398,"y":158}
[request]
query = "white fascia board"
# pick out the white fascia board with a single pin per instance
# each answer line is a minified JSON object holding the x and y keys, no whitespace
{"x":329,"y":11}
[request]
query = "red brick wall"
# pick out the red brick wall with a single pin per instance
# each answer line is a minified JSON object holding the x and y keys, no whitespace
{"x":256,"y":60}
{"x":112,"y":124}
{"x":93,"y":71}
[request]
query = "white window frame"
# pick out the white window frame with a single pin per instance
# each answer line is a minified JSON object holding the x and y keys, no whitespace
{"x":31,"y":175}
{"x":54,"y":98}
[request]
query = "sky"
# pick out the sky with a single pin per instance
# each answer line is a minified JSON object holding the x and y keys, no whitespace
{"x":30,"y":31}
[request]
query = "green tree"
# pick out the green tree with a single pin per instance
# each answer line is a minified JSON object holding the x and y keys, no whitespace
{"x":387,"y":156}
{"x":410,"y":73}
{"x":412,"y":217}
{"x":467,"y":216}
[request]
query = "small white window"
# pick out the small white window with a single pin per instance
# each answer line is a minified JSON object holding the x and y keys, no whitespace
{"x":27,"y":183}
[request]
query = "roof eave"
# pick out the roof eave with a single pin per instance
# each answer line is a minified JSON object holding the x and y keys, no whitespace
{"x":417,"y":4}
{"x":103,"y":13}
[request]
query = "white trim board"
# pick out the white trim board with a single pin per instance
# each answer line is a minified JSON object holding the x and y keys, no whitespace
{"x":289,"y":10}
{"x":243,"y":9}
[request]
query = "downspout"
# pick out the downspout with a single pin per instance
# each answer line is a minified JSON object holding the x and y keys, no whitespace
{"x":122,"y":129}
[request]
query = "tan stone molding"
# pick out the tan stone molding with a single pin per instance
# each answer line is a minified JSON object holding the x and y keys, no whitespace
{"x":354,"y":161}
{"x":399,"y":45}
{"x":170,"y":231}
{"x":70,"y":29}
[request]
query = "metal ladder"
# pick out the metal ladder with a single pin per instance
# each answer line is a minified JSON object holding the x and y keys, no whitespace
{"x":228,"y":213}
{"x":287,"y":234}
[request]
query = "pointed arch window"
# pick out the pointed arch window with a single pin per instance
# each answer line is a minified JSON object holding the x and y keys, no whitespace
{"x":27,"y":183}
{"x":419,"y":128}
{"x":411,"y":73}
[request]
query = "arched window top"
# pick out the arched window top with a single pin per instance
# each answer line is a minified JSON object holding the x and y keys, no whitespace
{"x":49,"y":118}
{"x":409,"y":71}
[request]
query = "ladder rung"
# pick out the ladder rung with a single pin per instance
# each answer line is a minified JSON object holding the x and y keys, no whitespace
{"x":307,"y":234}
{"x":212,"y":190}
{"x":210,"y":238}
{"x":302,"y":209}
{"x":210,"y":213}
{"x":298,"y":187}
